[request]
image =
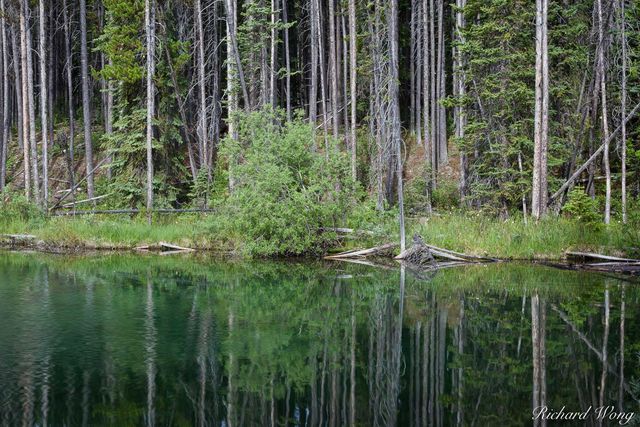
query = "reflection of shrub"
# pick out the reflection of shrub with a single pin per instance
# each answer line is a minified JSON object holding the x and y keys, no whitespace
{"x":284,"y":191}
{"x":582,"y":208}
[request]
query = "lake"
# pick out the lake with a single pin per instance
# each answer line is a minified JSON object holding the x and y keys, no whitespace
{"x":151,"y":340}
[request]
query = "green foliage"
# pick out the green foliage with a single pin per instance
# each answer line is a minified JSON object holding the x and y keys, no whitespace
{"x":582,"y":208}
{"x":284,"y":192}
{"x":16,"y":208}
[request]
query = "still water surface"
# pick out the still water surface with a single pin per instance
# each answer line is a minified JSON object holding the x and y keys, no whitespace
{"x":125,"y":340}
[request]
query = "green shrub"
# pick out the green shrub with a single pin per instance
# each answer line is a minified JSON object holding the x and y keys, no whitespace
{"x":581,"y":208}
{"x":284,"y":192}
{"x":16,"y":208}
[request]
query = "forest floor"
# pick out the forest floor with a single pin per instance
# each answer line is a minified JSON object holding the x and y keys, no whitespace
{"x":469,"y":233}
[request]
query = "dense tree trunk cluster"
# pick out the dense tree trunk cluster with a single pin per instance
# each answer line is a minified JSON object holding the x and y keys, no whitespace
{"x":489,"y":103}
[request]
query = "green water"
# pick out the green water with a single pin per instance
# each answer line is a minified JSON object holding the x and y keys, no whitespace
{"x":126,"y":340}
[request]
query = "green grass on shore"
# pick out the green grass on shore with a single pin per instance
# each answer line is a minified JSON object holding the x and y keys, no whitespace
{"x":469,"y":233}
{"x":512,"y":238}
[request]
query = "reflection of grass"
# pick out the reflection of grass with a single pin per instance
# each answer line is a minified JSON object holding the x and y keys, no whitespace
{"x":465,"y":233}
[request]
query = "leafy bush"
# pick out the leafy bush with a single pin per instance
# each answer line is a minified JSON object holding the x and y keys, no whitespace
{"x":582,"y":208}
{"x":16,"y":208}
{"x":283,"y":191}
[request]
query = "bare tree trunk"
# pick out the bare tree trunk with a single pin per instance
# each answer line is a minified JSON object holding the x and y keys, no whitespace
{"x":353,"y":83}
{"x":442,"y":114}
{"x":333,"y":66}
{"x":426,"y":108}
{"x":86,"y":98}
{"x":202,"y":96}
{"x":323,"y":85}
{"x":313,"y":90}
{"x":287,"y":58}
{"x":150,"y":28}
{"x":26,"y":117}
{"x":460,"y":87}
{"x":623,"y":107}
{"x":605,"y":119}
{"x":539,"y":192}
{"x":274,"y":54}
{"x":433,"y":92}
{"x":232,"y":81}
{"x":17,"y":78}
{"x":35,"y":174}
{"x":69,"y":70}
{"x":395,"y":113}
{"x":43,"y":107}
{"x":4,"y":143}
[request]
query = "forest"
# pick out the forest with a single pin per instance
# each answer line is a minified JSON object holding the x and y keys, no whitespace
{"x":277,"y":120}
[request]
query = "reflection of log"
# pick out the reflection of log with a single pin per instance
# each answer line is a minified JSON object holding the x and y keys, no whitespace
{"x":593,"y":348}
{"x":362,"y":253}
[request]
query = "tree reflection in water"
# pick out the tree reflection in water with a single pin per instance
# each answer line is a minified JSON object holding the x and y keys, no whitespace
{"x":119,"y":340}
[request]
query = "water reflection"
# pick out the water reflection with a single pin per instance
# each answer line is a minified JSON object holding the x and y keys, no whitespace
{"x":129,"y":341}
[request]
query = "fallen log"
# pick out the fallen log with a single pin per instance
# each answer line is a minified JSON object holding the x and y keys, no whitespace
{"x":92,"y":199}
{"x":585,"y":256}
{"x":172,"y":247}
{"x":422,"y":253}
{"x":362,"y":253}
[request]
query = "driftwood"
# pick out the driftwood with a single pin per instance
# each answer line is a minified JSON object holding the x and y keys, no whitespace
{"x":341,"y":230}
{"x":363,"y":253}
{"x":421,"y":253}
{"x":128,"y":211}
{"x":586,"y":256}
{"x":92,"y":199}
{"x":171,"y":247}
{"x":418,"y":254}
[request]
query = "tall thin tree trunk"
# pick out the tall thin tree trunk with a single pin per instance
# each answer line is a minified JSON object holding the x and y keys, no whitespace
{"x":69,"y":74}
{"x":86,"y":98}
{"x":287,"y":58}
{"x":605,"y":119}
{"x":395,"y":113}
{"x":313,"y":88}
{"x":33,"y":143}
{"x":623,"y":107}
{"x":26,"y":117}
{"x":202,"y":95}
{"x":442,"y":118}
{"x":17,"y":78}
{"x":274,"y":54}
{"x":44,"y":105}
{"x":4,"y":143}
{"x":150,"y":28}
{"x":539,"y":192}
{"x":426,"y":109}
{"x":333,"y":66}
{"x":460,"y":87}
{"x":353,"y":83}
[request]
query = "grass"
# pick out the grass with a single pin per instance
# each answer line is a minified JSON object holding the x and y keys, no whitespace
{"x":470,"y":233}
{"x":548,"y":239}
